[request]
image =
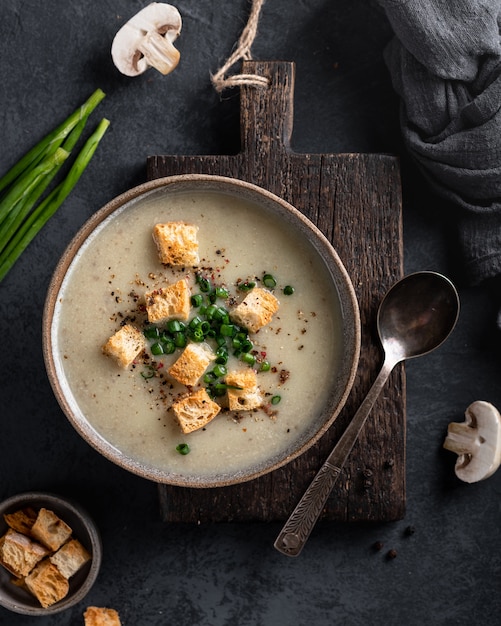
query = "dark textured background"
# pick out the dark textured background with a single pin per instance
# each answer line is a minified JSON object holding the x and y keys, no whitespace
{"x":53,"y":55}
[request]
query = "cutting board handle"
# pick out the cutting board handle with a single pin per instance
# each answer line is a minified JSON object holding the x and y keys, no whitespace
{"x":267,"y":113}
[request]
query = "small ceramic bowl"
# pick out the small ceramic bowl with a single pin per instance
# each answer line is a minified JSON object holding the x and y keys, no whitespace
{"x":21,"y":601}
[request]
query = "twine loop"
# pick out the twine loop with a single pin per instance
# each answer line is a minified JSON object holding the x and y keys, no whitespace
{"x":242,"y":52}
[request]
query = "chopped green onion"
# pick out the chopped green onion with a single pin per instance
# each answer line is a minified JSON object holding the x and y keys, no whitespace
{"x":288,"y":290}
{"x":227,"y":330}
{"x":222,"y":292}
{"x":194,"y":322}
{"x":151,"y":332}
{"x":269,"y":281}
{"x":169,"y":347}
{"x":248,"y":358}
{"x":205,"y":328}
{"x":197,"y":300}
{"x":179,"y":339}
{"x":219,"y":370}
{"x":236,"y":343}
{"x":265,"y":366}
{"x":221,"y":341}
{"x":197,"y":335}
{"x":219,"y":389}
{"x":157,"y":348}
{"x":220,"y":314}
{"x":209,"y":378}
{"x":175,"y":326}
{"x":246,"y":285}
{"x":222,"y":356}
{"x":246,"y":345}
{"x":204,"y":283}
{"x":183,"y":448}
{"x":276,"y":399}
{"x":212,"y":296}
{"x":149,"y":372}
{"x":210,"y":311}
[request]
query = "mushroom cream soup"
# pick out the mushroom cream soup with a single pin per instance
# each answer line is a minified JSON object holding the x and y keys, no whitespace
{"x":130,"y":408}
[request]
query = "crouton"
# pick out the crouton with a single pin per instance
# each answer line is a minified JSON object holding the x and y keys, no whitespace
{"x":47,"y":583}
{"x":125,"y":345}
{"x":177,"y":243}
{"x":256,"y":309}
{"x":99,"y":616}
{"x":19,"y":554}
{"x":192,"y":363}
{"x":50,"y":530}
{"x":70,"y":558}
{"x":248,"y":396}
{"x":21,"y":520}
{"x":168,"y":303}
{"x":195,"y":410}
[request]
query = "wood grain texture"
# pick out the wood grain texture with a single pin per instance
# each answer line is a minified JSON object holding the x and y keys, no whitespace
{"x":355,"y":199}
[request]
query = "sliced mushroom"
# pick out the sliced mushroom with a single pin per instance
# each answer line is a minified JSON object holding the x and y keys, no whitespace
{"x":477,"y":441}
{"x":146,"y":40}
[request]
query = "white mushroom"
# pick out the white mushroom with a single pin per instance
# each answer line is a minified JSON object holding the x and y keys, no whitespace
{"x":146,"y":40}
{"x":477,"y":441}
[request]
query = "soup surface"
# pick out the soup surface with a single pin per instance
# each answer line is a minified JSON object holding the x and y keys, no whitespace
{"x":238,"y":240}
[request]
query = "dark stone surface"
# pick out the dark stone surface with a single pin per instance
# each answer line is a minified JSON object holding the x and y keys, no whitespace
{"x":53,"y":55}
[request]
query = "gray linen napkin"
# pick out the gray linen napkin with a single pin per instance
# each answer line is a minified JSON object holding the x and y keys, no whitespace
{"x":445,"y":64}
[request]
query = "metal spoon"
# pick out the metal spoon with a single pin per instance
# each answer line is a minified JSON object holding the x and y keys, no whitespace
{"x":416,"y":316}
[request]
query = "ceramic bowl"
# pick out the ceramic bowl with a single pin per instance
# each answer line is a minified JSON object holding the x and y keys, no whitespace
{"x":185,"y":191}
{"x":17,"y":599}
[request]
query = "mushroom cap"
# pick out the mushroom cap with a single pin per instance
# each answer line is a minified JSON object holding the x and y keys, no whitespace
{"x":155,"y":18}
{"x":477,"y":441}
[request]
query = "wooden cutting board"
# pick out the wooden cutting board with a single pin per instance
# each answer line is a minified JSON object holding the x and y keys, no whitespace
{"x":355,"y":199}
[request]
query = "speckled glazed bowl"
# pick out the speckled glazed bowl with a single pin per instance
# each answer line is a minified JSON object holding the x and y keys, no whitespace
{"x":17,"y":599}
{"x":233,"y":209}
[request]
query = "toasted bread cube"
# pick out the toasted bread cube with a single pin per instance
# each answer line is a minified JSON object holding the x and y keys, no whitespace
{"x":70,"y":558}
{"x":125,"y":345}
{"x":177,"y":243}
{"x":192,"y":363}
{"x":50,"y":530}
{"x":100,"y":616}
{"x":21,"y":520}
{"x":19,"y":554}
{"x":256,"y":309}
{"x":195,"y":410}
{"x":47,"y":583}
{"x":248,"y":396}
{"x":168,"y":303}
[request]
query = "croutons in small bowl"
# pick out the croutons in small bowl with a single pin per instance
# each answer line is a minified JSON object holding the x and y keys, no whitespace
{"x":50,"y":553}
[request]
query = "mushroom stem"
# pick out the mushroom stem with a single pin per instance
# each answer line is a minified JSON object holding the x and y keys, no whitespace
{"x":159,"y":52}
{"x":461,"y":438}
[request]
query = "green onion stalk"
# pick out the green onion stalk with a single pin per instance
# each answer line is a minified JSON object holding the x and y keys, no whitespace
{"x":23,"y":186}
{"x":53,"y":140}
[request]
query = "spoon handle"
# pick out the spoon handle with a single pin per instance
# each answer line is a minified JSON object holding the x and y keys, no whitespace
{"x":298,"y":527}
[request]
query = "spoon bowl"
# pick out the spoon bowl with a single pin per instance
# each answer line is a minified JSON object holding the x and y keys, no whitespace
{"x":415,"y":317}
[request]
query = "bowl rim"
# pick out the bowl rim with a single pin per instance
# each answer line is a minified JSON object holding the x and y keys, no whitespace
{"x":60,"y":505}
{"x":345,"y":289}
